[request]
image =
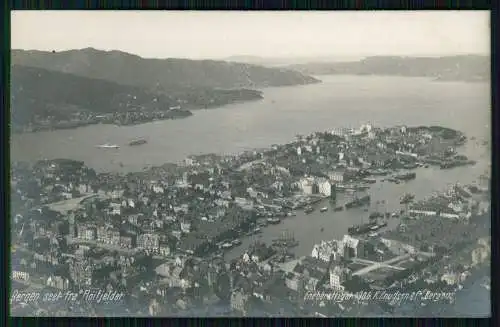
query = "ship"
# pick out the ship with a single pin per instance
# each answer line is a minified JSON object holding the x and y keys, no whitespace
{"x":138,"y":142}
{"x":273,"y":220}
{"x":286,"y":239}
{"x":324,"y":209}
{"x":108,"y":146}
{"x":407,"y":197}
{"x":358,"y":202}
{"x":226,"y":245}
{"x":361,"y":229}
{"x":375,"y":215}
{"x":406,"y":176}
{"x":379,"y":172}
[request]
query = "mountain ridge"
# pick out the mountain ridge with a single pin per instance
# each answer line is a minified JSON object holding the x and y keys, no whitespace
{"x":167,"y":74}
{"x":452,"y":68}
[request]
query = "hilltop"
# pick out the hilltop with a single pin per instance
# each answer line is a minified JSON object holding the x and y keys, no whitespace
{"x":453,"y":68}
{"x":159,"y":74}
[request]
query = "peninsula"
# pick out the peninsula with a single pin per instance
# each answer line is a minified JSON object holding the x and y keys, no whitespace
{"x":80,"y":87}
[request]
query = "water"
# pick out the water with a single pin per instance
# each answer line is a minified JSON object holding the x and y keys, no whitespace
{"x":284,"y":112}
{"x":340,"y":101}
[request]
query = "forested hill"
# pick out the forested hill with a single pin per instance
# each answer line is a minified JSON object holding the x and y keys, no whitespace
{"x":164,"y":74}
{"x":456,"y":68}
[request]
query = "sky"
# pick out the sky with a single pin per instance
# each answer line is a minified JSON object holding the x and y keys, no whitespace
{"x":221,"y":34}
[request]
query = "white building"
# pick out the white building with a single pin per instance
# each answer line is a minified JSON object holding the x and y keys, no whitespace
{"x":337,"y":277}
{"x":185,"y":227}
{"x":325,"y":250}
{"x":337,"y":176}
{"x":351,"y":243}
{"x":422,"y":212}
{"x":325,"y":187}
{"x":306,"y":185}
{"x":450,"y":215}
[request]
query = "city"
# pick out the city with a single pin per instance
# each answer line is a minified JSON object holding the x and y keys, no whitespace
{"x":155,"y":243}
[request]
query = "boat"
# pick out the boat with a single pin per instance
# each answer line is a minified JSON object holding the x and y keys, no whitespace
{"x":382,"y":224}
{"x":308,"y":210}
{"x":108,"y":146}
{"x":361,"y":229}
{"x":358,"y":202}
{"x":324,"y":209}
{"x":370,"y":180}
{"x":273,"y":220}
{"x":375,"y":215}
{"x":410,"y":165}
{"x":322,"y":229}
{"x":227,"y":245}
{"x":339,"y":208}
{"x":138,"y":142}
{"x":406,"y":176}
{"x":286,"y":239}
{"x":236,"y":242}
{"x":379,"y":172}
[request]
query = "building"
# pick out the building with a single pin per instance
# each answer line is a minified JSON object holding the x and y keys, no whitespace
{"x":422,"y":211}
{"x":58,"y":282}
{"x":239,"y":302}
{"x":449,"y":214}
{"x":81,"y":272}
{"x":337,"y":176}
{"x":306,"y":185}
{"x":343,"y":131}
{"x":185,"y":227}
{"x":352,"y":247}
{"x":148,"y":241}
{"x":324,"y":187}
{"x":164,"y":249}
{"x":86,"y":232}
{"x":325,"y":250}
{"x":128,"y":240}
{"x":337,"y":277}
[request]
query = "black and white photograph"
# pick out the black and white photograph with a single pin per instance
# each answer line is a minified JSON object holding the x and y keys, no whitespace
{"x":250,"y":164}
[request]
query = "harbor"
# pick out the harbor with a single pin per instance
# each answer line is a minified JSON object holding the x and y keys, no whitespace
{"x":311,"y":228}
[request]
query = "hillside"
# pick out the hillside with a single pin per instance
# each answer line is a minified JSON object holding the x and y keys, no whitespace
{"x":159,"y":74}
{"x":453,"y":68}
{"x":42,"y":98}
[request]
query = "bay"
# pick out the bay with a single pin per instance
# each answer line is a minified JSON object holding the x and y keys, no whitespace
{"x":340,"y":101}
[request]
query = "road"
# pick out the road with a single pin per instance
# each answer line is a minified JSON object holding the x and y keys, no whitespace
{"x":109,"y":247}
{"x":387,"y":263}
{"x":369,"y":262}
{"x":249,"y":164}
{"x":70,"y":204}
{"x":379,"y":265}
